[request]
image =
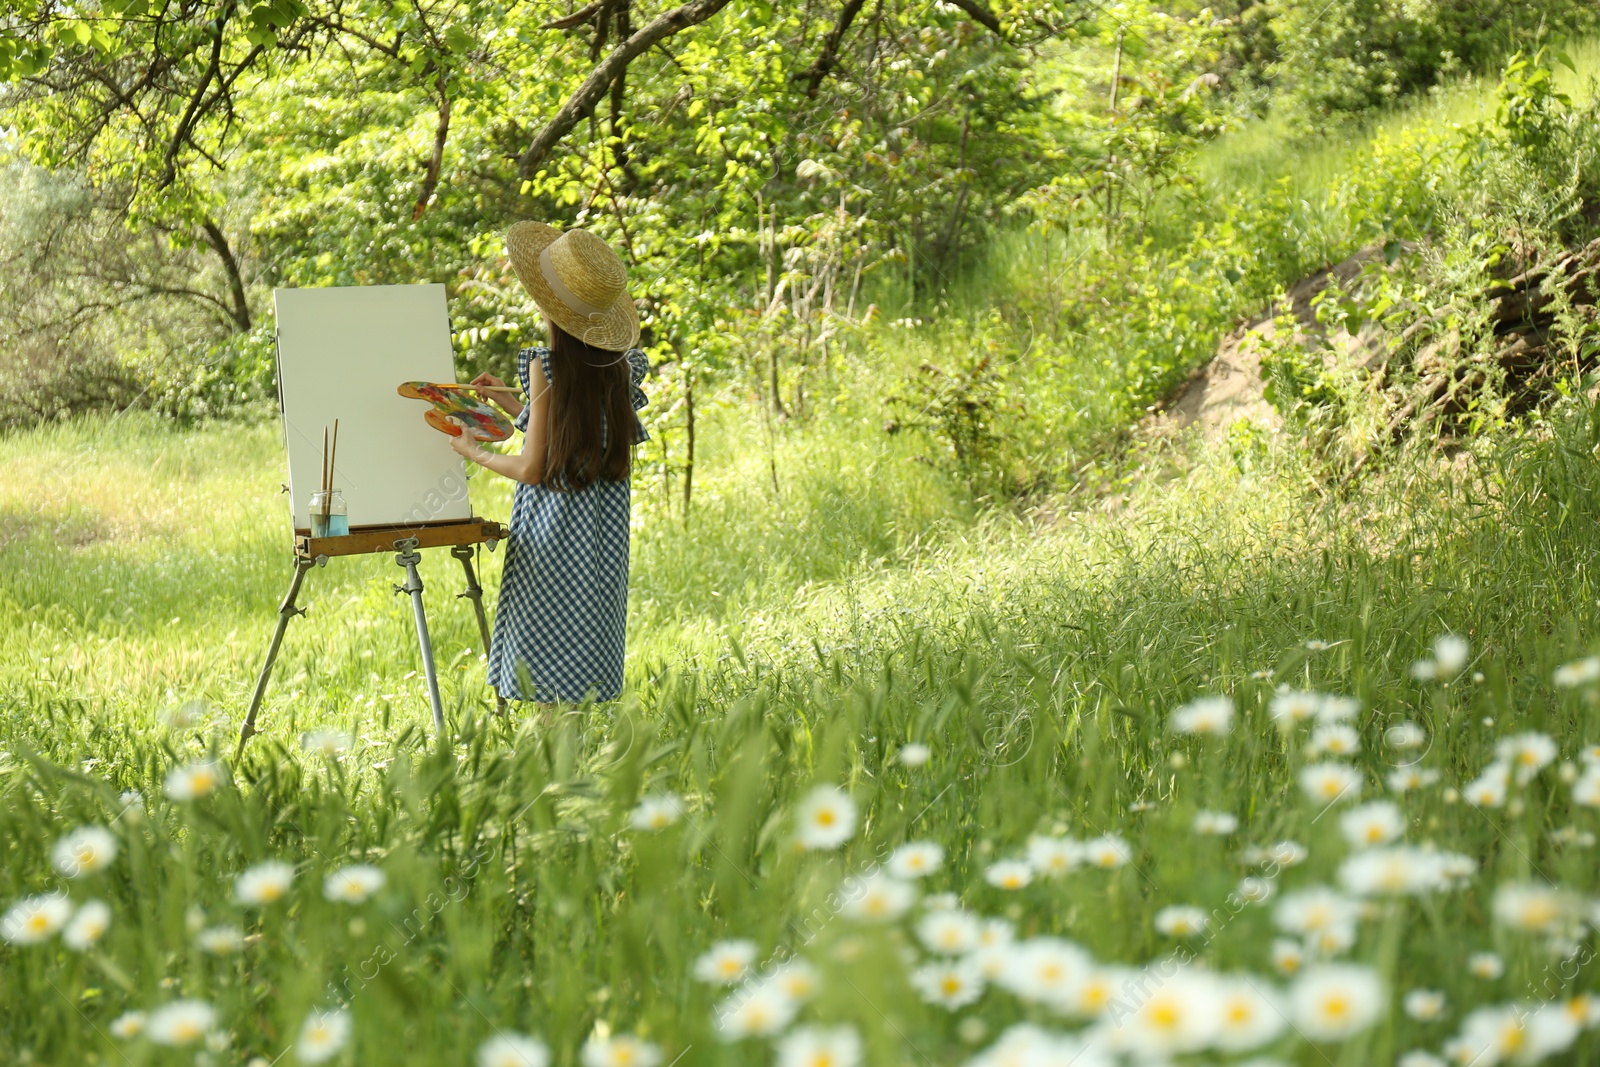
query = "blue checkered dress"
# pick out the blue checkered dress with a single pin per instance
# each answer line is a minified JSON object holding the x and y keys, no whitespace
{"x":560,"y":624}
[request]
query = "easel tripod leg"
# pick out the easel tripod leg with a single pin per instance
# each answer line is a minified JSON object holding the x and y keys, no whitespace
{"x":474,"y":593}
{"x":286,"y":611}
{"x":408,"y":558}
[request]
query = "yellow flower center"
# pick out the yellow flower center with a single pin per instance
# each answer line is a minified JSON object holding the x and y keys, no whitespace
{"x":1336,"y":1007}
{"x":951,"y":985}
{"x":824,"y":817}
{"x":185,"y":1031}
{"x":1164,"y":1015}
{"x":39,"y":922}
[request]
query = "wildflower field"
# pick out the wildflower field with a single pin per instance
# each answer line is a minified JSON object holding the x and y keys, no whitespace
{"x":976,"y":715}
{"x":1231,"y":775}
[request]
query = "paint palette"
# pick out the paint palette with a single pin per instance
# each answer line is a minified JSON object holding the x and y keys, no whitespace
{"x":451,"y":401}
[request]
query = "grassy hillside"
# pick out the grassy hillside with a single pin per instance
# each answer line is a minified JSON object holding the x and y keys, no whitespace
{"x":1375,"y":842}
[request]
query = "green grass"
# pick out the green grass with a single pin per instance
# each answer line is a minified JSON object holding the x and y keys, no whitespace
{"x":831,"y":596}
{"x":1039,"y":659}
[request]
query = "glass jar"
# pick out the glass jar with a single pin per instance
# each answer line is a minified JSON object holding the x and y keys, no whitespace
{"x":328,"y":516}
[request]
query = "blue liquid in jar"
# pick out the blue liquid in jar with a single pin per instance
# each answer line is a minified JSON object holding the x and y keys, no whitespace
{"x":329,"y":525}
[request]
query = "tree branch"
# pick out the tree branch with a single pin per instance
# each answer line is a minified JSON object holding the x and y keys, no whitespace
{"x":828,"y":58}
{"x":980,"y":14}
{"x":430,"y":179}
{"x":577,"y":18}
{"x":599,"y":81}
{"x":240,"y":312}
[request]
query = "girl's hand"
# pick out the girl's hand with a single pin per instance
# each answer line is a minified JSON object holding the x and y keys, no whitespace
{"x":464,"y":443}
{"x":497,"y":392}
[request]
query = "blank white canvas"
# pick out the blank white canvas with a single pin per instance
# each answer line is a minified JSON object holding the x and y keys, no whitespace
{"x":342,"y":352}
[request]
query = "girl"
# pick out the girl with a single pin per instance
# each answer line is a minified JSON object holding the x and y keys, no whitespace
{"x":559,"y":626}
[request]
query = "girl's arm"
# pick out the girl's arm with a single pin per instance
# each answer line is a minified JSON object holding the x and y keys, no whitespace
{"x":497,"y":392}
{"x":528,"y":465}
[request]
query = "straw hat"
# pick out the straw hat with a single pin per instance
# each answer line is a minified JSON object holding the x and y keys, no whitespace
{"x":577,"y":281}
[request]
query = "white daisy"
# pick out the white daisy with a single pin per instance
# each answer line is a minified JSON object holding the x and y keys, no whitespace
{"x":1405,"y":735}
{"x":1008,"y":874}
{"x":194,"y":781}
{"x":796,"y":979}
{"x":1333,"y":739}
{"x":1338,"y":708}
{"x":1107,"y":851}
{"x":1095,"y":993}
{"x":1376,"y":823}
{"x":220,"y":940}
{"x":826,"y":818}
{"x":820,"y":1046}
{"x":1250,"y":1014}
{"x":1485,"y":965}
{"x":879,"y":897}
{"x":1288,"y":956}
{"x":1211,"y":716}
{"x":1521,"y":1033}
{"x":86,"y":850}
{"x":353,"y":884}
{"x":1424,"y":1005}
{"x":656,"y":812}
{"x":1176,"y":1014}
{"x":1044,"y":969}
{"x":1216,"y":823}
{"x":758,"y":1010}
{"x":1578,"y":672}
{"x":1326,"y":783}
{"x":326,"y":742}
{"x":950,"y":984}
{"x":1586,"y":790}
{"x":1534,"y":908}
{"x":1408,"y":779}
{"x":949,"y":933}
{"x":182,"y":1022}
{"x":128,"y":1025}
{"x":916,"y":859}
{"x":621,"y":1050}
{"x":1291,"y":706}
{"x":1450,"y":654}
{"x":1306,"y":911}
{"x":1181,"y":920}
{"x":1396,"y":869}
{"x":914,"y":754}
{"x":265,"y":883}
{"x":1420,"y":1058}
{"x":1333,"y":1001}
{"x":89,"y":924}
{"x":322,"y":1035}
{"x":35,"y":919}
{"x":1253,"y":890}
{"x":725,"y":962}
{"x":1527,"y":753}
{"x":1286,"y":853}
{"x":509,"y":1049}
{"x":1489,"y":789}
{"x":1052,"y":856}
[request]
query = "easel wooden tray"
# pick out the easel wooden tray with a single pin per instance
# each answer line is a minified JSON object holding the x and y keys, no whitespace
{"x":382,"y":539}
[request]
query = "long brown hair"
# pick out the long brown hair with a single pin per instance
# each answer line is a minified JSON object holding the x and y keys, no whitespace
{"x":588,"y":391}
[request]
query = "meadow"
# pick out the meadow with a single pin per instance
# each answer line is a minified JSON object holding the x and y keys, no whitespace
{"x":867,"y":790}
{"x":1198,"y":760}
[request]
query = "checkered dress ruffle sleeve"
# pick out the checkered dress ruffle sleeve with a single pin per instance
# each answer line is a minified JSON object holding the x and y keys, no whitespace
{"x":560,"y":625}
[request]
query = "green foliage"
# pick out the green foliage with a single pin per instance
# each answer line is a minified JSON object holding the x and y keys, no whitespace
{"x":1040,"y":663}
{"x":1348,"y":57}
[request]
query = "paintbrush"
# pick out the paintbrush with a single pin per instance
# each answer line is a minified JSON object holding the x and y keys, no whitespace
{"x":513,"y":390}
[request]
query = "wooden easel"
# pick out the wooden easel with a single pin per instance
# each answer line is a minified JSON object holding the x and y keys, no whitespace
{"x":406,"y":542}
